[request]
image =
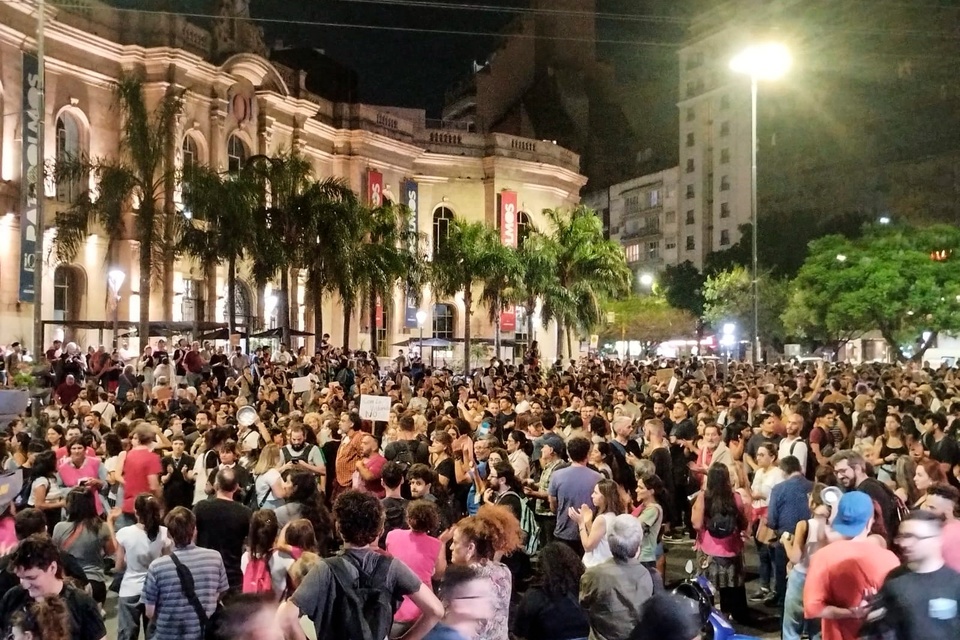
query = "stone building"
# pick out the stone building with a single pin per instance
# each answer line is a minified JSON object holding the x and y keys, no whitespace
{"x":238,"y":103}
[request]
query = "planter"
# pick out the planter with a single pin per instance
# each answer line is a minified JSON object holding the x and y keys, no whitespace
{"x":13,"y":402}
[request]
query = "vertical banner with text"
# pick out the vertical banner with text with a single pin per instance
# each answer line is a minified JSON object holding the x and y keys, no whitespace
{"x":410,"y":194}
{"x":374,"y":188}
{"x":508,"y":238}
{"x":30,"y":169}
{"x":379,"y":313}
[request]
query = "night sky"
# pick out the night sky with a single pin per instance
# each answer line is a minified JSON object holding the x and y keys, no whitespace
{"x":415,"y":68}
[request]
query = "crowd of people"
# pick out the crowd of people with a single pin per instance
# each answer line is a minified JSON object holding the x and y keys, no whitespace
{"x":523,"y":500}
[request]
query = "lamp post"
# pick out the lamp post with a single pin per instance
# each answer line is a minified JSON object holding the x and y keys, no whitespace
{"x":646,"y":280}
{"x":115,"y":278}
{"x":768,"y":61}
{"x":421,"y":319}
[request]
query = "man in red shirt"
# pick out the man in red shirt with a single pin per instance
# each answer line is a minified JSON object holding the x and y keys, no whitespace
{"x":844,"y":574}
{"x":140,"y":471}
{"x":67,"y":392}
{"x":193,"y":365}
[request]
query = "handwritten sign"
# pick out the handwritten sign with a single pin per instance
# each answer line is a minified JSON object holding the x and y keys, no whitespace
{"x":301,"y":384}
{"x":375,"y":408}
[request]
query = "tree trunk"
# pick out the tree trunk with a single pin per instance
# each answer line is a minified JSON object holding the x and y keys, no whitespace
{"x":373,"y":321}
{"x":285,"y":307}
{"x":496,"y":328}
{"x":210,"y":296}
{"x":531,"y":309}
{"x":569,"y":333}
{"x":347,"y":314}
{"x":232,"y":295}
{"x":294,"y":299}
{"x":467,"y":311}
{"x":143,"y":330}
{"x":317,"y":314}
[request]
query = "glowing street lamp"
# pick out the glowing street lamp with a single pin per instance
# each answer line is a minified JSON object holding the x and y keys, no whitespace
{"x":767,"y":61}
{"x":421,"y":319}
{"x":115,"y":278}
{"x":646,"y":280}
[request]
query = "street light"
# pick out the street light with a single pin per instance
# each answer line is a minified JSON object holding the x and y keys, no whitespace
{"x":115,"y":278}
{"x":768,"y":61}
{"x":421,"y":319}
{"x":646,"y":280}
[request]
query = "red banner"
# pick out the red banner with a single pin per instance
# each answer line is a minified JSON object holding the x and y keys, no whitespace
{"x":379,"y":313}
{"x":374,"y":188}
{"x":508,"y":238}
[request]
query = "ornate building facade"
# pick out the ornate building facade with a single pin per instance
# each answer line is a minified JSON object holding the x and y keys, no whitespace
{"x":238,"y":104}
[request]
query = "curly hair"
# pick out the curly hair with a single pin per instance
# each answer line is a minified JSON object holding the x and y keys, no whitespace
{"x":45,"y":619}
{"x":423,"y":516}
{"x":493,"y":530}
{"x":359,"y":517}
{"x":560,"y":570}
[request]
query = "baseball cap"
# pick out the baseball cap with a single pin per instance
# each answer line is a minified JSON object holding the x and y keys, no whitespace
{"x":853,"y":513}
{"x":555,"y":442}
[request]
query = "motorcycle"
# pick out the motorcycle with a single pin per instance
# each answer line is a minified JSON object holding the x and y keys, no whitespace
{"x":715,"y":624}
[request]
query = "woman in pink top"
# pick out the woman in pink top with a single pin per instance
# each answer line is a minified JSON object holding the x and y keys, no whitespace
{"x":424,"y":554}
{"x":721,"y":523}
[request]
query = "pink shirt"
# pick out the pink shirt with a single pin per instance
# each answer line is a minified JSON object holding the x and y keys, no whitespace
{"x":727,"y":547}
{"x":71,"y":475}
{"x":375,"y":466}
{"x":418,"y":551}
{"x":951,"y":544}
{"x":8,"y":536}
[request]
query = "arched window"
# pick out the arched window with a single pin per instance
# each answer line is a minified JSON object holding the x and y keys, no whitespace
{"x":524,"y":228}
{"x":443,"y":321}
{"x":190,"y":153}
{"x":442,"y":217}
{"x":68,"y":291}
{"x":241,"y":306}
{"x":69,"y":146}
{"x":236,"y":153}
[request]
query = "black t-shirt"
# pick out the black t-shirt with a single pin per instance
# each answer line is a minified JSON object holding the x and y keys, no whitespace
{"x":85,"y":620}
{"x":946,"y":450}
{"x":447,"y":469}
{"x":395,"y":516}
{"x":757,"y":439}
{"x":223,"y":525}
{"x":923,"y":606}
{"x":887,"y":501}
{"x":542,"y":616}
{"x":71,"y":569}
{"x":178,"y":491}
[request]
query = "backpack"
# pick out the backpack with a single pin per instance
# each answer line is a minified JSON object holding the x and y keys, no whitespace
{"x":21,"y":500}
{"x":528,"y":524}
{"x":404,"y":456}
{"x":256,"y":577}
{"x":303,"y":455}
{"x":363,"y":608}
{"x":722,"y":525}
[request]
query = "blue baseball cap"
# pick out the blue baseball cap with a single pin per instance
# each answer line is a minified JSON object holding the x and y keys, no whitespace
{"x":853,"y":514}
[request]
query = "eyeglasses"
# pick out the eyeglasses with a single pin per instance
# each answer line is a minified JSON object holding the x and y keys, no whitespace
{"x":913,"y":536}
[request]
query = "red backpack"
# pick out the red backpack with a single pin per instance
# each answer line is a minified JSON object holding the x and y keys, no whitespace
{"x":256,"y":577}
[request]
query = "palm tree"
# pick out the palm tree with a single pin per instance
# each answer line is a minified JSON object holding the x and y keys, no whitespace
{"x":501,"y":283}
{"x":283,"y":223}
{"x":589,"y":268}
{"x":138,"y":180}
{"x":538,"y":269}
{"x":221,"y":227}
{"x":459,"y":263}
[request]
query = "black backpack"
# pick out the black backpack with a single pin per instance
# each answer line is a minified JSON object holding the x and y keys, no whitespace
{"x":404,"y":455}
{"x":722,"y":525}
{"x":363,"y":608}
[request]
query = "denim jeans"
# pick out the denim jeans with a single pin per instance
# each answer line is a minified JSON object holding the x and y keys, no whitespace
{"x":793,"y":621}
{"x":765,"y":558}
{"x":130,"y":618}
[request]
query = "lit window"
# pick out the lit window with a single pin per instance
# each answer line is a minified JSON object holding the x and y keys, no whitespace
{"x":236,"y":154}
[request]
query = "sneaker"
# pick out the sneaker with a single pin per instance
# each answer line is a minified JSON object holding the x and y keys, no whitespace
{"x":761,"y":595}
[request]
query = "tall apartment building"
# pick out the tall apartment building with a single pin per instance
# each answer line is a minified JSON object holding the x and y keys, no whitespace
{"x":642,"y":215}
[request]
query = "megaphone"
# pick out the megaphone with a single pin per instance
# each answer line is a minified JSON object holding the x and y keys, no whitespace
{"x":830,"y":496}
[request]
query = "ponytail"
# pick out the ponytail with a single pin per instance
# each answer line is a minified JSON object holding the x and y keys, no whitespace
{"x":147,"y":508}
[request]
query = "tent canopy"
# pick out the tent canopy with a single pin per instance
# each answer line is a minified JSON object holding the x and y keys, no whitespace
{"x":278,"y":333}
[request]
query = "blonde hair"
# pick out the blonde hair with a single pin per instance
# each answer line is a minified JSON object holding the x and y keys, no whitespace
{"x":301,"y":567}
{"x":269,"y":459}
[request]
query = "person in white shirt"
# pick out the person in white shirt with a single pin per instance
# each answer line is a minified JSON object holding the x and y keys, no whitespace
{"x":793,"y":444}
{"x":766,"y":476}
{"x":107,"y":411}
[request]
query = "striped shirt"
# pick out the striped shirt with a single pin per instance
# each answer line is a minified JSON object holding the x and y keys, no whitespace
{"x":175,"y":618}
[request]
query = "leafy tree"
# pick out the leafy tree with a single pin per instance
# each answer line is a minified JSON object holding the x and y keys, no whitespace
{"x":682,"y":286}
{"x":728,"y":297}
{"x":501,"y":284}
{"x":886,"y":281}
{"x":589,"y":269}
{"x":646,"y":319}
{"x":136,"y":181}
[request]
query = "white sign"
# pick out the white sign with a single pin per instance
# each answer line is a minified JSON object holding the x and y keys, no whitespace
{"x":375,"y":408}
{"x":302,"y":384}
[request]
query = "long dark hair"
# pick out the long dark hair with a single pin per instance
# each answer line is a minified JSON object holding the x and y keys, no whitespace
{"x":718,"y":496}
{"x":307,"y":495}
{"x":560,"y":570}
{"x":81,"y":509}
{"x":655,"y":484}
{"x":263,"y":532}
{"x":505,"y":470}
{"x":147,"y":508}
